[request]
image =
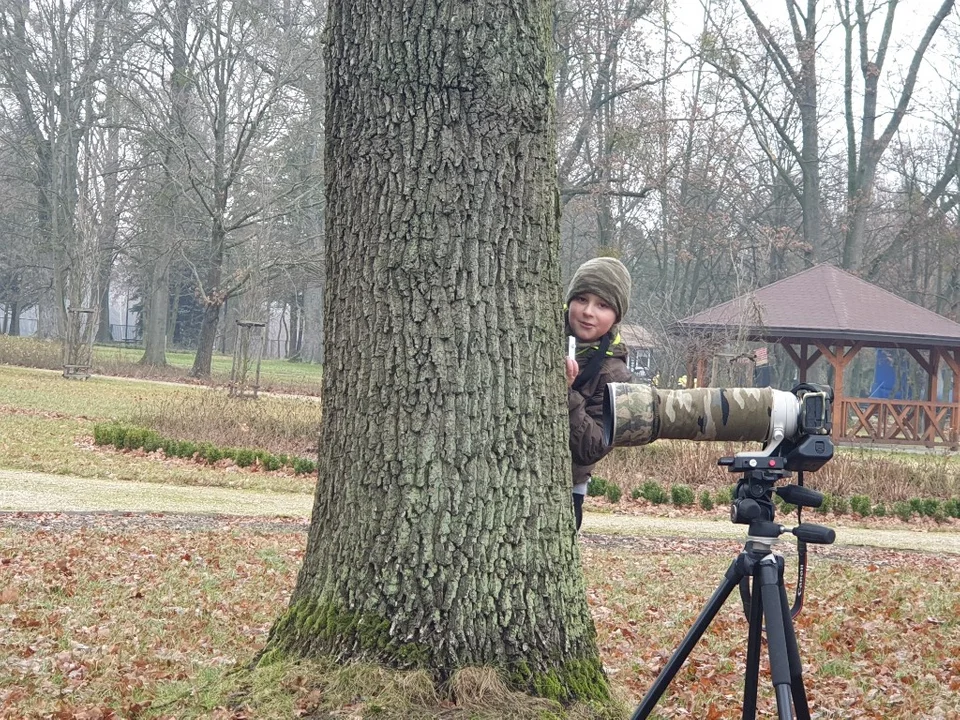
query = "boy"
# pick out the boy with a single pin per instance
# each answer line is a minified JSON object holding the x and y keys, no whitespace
{"x":597,"y":300}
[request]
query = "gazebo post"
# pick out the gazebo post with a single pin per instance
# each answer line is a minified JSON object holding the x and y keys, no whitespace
{"x":929,"y":418}
{"x":952,"y":358}
{"x":702,"y":380}
{"x":839,"y":359}
{"x":802,"y":360}
{"x":933,"y":389}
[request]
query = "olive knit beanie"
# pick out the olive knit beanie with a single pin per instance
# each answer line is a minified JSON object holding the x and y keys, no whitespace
{"x":605,"y":277}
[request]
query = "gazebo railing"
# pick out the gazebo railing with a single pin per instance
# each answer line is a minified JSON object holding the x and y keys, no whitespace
{"x":908,"y":422}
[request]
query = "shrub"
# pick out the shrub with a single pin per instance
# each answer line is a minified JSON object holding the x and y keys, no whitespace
{"x":916,"y":504}
{"x":827,"y":504}
{"x":636,"y":494}
{"x":244,"y":457}
{"x":706,"y":501}
{"x":595,"y":488}
{"x":133,"y":438}
{"x":930,"y":507}
{"x":952,"y":508}
{"x":613,"y":493}
{"x":208,"y":452}
{"x":652,"y":492}
{"x":103,"y":433}
{"x":302,"y":466}
{"x":724,"y":496}
{"x":840,"y":505}
{"x":879,"y":510}
{"x":681,"y":495}
{"x":151,"y":441}
{"x":130,"y":438}
{"x":787,"y":508}
{"x":903,"y":510}
{"x":861,"y":505}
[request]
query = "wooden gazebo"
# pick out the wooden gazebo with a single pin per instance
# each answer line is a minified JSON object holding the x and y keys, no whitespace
{"x":826,"y":312}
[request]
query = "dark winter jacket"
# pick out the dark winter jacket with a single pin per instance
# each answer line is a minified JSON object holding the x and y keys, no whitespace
{"x":586,"y":410}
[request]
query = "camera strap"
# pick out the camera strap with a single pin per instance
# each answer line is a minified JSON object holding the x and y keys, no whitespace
{"x":801,"y":560}
{"x":593,"y":365}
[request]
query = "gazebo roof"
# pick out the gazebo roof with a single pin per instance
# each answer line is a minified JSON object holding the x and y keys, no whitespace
{"x":826,"y":303}
{"x":637,"y":336}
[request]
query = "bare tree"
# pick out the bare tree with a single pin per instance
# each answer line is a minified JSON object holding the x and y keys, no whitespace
{"x":862,"y":162}
{"x":242,"y":75}
{"x":56,"y":62}
{"x":600,"y":87}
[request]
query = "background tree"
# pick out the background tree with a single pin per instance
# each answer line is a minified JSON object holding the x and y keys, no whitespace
{"x":242,"y":80}
{"x":863,"y":162}
{"x":161,"y":92}
{"x":442,"y":311}
{"x":56,"y":65}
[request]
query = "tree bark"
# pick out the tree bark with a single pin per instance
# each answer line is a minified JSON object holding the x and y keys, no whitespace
{"x":442,"y":532}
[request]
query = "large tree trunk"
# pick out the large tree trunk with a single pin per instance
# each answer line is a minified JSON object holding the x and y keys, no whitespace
{"x":442,"y":532}
{"x":13,"y":329}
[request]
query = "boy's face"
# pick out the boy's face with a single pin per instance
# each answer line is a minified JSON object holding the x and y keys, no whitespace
{"x":591,"y":317}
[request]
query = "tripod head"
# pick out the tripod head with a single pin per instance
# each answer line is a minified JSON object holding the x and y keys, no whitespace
{"x":752,"y":503}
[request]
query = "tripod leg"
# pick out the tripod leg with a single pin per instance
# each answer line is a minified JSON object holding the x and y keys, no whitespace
{"x":770,"y":577}
{"x":730,"y":580}
{"x":752,"y":671}
{"x":793,"y":655}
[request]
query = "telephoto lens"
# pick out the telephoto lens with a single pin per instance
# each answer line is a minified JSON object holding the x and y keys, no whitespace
{"x":637,"y":414}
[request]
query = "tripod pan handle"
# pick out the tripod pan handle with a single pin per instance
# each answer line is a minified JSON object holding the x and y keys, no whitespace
{"x":804,"y":497}
{"x":816,"y":534}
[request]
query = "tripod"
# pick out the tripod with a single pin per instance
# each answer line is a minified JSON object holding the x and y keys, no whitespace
{"x":765,"y":604}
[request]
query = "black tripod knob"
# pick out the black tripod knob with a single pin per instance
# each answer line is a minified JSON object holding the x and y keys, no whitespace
{"x":813,"y":533}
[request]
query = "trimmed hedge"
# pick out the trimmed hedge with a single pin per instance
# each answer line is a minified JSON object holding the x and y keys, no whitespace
{"x":128,"y":437}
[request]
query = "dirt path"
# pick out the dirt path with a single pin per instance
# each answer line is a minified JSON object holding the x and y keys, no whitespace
{"x":36,"y":492}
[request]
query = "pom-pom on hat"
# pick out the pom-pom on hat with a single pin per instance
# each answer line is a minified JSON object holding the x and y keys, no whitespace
{"x":605,"y":277}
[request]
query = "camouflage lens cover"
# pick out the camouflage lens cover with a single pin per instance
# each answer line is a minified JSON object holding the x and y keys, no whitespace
{"x":630,"y":414}
{"x":635,"y":414}
{"x":715,"y":413}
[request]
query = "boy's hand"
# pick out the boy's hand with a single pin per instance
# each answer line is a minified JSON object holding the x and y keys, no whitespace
{"x":573,"y":369}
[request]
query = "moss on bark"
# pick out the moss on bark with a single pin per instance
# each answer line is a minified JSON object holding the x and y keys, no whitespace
{"x":311,"y":628}
{"x":582,"y":680}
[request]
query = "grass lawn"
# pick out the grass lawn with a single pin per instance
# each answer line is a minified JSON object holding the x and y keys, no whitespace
{"x":160,"y":622}
{"x":275,"y":373}
{"x":46,"y":425}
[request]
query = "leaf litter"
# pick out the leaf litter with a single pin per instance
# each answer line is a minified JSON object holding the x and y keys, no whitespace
{"x":103,"y":615}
